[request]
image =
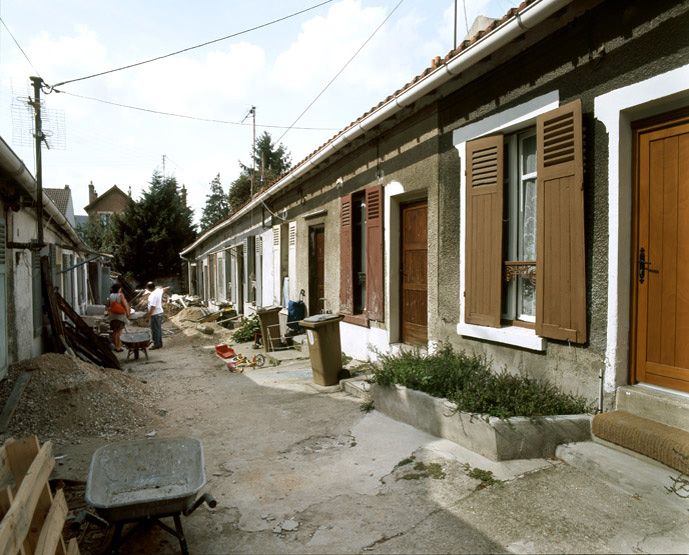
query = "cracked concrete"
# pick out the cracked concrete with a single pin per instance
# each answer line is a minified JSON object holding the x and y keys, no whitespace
{"x":297,"y":471}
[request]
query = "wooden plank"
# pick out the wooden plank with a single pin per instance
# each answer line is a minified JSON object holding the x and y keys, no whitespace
{"x":50,"y":539}
{"x":13,"y":399}
{"x":72,"y":547}
{"x":682,"y":324}
{"x":669,"y":239}
{"x":15,"y":528}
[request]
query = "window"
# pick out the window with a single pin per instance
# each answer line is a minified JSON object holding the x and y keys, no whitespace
{"x":525,"y":228}
{"x":104,"y":218}
{"x":361,"y":255}
{"x":519,"y":301}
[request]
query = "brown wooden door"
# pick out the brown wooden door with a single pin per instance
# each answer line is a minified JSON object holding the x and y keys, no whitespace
{"x":316,"y":269}
{"x":413,"y":273}
{"x":662,"y":292}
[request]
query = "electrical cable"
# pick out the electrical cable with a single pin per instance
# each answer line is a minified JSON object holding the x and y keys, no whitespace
{"x":186,"y":116}
{"x":255,"y":28}
{"x":340,"y":71}
{"x":19,"y":46}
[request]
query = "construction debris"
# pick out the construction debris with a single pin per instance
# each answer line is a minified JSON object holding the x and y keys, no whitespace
{"x":68,"y":398}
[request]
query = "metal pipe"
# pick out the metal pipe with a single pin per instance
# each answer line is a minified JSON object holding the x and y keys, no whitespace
{"x":38,"y":135}
{"x":601,"y":391}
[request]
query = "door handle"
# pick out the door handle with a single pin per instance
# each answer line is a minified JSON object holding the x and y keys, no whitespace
{"x":644,"y":265}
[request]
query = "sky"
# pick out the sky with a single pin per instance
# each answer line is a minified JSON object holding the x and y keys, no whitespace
{"x":279,"y":69}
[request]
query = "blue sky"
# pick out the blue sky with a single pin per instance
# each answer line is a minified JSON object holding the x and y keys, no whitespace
{"x":279,"y":69}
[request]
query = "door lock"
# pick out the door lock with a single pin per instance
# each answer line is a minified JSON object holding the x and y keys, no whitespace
{"x":644,"y":265}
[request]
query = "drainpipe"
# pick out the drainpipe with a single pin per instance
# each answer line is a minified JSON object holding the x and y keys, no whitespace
{"x":526,"y":19}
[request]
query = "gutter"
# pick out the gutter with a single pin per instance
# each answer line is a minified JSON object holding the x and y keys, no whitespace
{"x":16,"y":169}
{"x":532,"y":15}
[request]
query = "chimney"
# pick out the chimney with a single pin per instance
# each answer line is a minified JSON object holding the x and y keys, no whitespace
{"x":92,"y":193}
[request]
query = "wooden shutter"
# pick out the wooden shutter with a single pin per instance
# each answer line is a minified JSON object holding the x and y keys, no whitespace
{"x":346,"y":285}
{"x":560,"y":241}
{"x":484,"y":231}
{"x":375,"y":297}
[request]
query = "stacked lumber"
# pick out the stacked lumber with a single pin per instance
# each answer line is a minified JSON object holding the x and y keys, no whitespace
{"x":32,"y":518}
{"x":70,"y":331}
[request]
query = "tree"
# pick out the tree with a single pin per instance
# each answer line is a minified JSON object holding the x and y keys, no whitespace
{"x":98,"y":235}
{"x":217,"y":205}
{"x":151,"y":232}
{"x":271,"y":162}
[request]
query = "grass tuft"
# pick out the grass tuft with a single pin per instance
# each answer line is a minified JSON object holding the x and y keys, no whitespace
{"x":468,"y":381}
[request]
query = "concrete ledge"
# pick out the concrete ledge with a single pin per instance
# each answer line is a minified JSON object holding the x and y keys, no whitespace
{"x":497,"y":439}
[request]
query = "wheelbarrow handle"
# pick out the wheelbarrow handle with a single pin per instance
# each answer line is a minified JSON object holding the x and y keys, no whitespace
{"x":206,"y":498}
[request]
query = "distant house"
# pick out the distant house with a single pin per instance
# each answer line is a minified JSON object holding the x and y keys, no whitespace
{"x":102,"y":207}
{"x":62,"y":199}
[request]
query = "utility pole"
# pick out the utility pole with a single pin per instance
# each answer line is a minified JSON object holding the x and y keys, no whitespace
{"x":38,"y":135}
{"x":163,"y":166}
{"x":455,"y":35}
{"x":252,"y":112}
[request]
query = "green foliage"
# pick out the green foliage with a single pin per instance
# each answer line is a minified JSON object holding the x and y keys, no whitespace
{"x":97,"y":235}
{"x":150,"y":232}
{"x":422,"y":470}
{"x":217,"y":205}
{"x":468,"y":381}
{"x":485,"y":476}
{"x":271,"y":161}
{"x":247,"y":330}
{"x":366,"y":406}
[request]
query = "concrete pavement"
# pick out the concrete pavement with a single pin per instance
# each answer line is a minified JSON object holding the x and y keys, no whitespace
{"x":296,"y":470}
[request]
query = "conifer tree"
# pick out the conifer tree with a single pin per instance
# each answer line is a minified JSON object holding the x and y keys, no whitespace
{"x":217,"y":205}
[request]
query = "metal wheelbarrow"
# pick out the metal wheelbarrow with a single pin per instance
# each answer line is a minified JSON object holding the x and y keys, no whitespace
{"x":142,"y":481}
{"x":135,"y":341}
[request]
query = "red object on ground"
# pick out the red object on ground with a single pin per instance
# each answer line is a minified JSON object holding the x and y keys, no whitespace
{"x":224,"y":351}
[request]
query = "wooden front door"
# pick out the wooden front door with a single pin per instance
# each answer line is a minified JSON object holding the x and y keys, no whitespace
{"x":413,"y":278}
{"x":316,"y":269}
{"x":661,"y":255}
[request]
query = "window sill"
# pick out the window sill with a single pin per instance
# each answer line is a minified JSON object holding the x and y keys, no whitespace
{"x":356,"y":319}
{"x":509,"y":335}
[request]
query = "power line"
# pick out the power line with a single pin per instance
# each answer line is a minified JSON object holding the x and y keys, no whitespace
{"x":261,"y":26}
{"x":186,"y":116}
{"x":340,"y":71}
{"x":18,"y":45}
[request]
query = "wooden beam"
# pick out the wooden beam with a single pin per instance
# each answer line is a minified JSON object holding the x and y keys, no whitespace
{"x":50,"y":540}
{"x":15,"y":528}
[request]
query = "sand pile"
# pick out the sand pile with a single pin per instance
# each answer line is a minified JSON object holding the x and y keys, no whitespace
{"x":67,"y":398}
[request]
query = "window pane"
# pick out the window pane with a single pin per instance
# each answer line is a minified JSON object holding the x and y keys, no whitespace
{"x":527,"y":218}
{"x":528,"y":155}
{"x":527,"y":300}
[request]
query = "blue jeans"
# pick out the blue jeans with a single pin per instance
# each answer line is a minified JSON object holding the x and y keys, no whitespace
{"x":157,"y":330}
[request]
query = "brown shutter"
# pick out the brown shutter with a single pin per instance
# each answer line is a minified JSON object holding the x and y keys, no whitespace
{"x":375,"y":298}
{"x":346,"y":286}
{"x":484,"y":231}
{"x":560,"y":262}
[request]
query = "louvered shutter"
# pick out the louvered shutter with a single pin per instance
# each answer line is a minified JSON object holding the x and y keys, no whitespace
{"x":277,"y":266}
{"x":375,"y":297}
{"x":258,"y":245}
{"x":346,"y":284}
{"x":3,"y":302}
{"x":560,"y":262}
{"x":484,"y":231}
{"x":37,"y":294}
{"x":292,"y":260}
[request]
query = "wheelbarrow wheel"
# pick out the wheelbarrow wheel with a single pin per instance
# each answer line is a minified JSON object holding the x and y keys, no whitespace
{"x":260,"y":360}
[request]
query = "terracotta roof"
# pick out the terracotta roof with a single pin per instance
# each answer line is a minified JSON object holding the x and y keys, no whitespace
{"x":60,"y":198}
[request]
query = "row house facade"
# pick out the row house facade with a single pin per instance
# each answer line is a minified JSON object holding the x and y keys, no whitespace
{"x":22,"y":330}
{"x":525,"y":197}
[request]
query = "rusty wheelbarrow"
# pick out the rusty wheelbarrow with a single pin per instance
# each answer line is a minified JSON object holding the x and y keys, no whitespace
{"x":142,"y":481}
{"x":135,"y":341}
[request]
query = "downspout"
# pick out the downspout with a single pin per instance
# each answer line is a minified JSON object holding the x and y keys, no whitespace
{"x":530,"y":16}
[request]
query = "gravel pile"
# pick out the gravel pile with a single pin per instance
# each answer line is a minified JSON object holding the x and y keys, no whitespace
{"x":68,"y":398}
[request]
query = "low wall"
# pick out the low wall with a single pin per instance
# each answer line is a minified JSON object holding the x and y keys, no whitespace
{"x":495,"y":438}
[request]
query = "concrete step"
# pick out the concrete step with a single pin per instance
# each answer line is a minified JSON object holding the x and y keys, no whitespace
{"x":662,"y":405}
{"x":636,"y":475}
{"x":356,"y":387}
{"x":658,"y":441}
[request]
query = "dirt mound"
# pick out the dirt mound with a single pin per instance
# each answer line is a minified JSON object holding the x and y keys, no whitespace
{"x":189,"y":314}
{"x":68,"y":398}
